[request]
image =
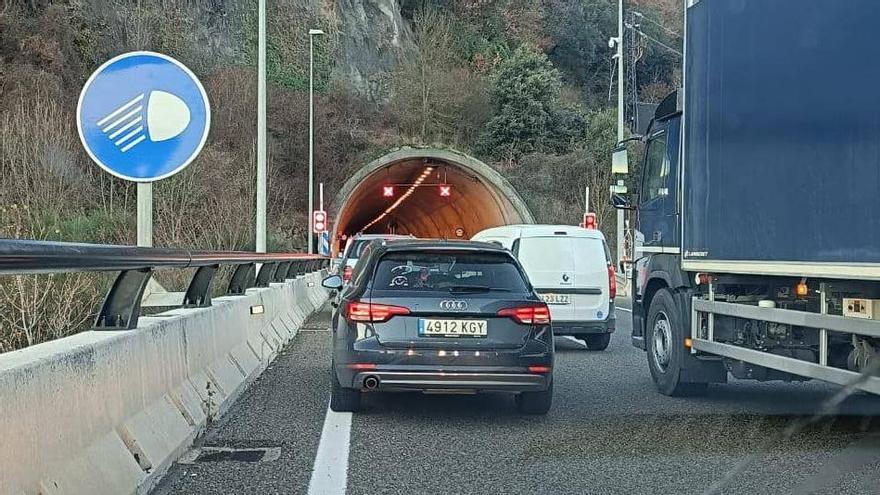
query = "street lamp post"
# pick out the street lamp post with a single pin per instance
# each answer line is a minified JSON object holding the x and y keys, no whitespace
{"x":261,"y":129}
{"x":312,"y":34}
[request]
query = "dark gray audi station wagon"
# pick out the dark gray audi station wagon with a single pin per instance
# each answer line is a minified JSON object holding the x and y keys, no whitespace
{"x":441,"y":317}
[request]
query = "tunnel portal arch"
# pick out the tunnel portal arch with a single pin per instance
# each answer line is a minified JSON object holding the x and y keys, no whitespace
{"x":480,"y":197}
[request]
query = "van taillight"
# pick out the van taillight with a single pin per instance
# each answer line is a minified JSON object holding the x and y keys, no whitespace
{"x":539,"y":314}
{"x":373,"y":313}
{"x":346,"y":274}
{"x":612,"y":282}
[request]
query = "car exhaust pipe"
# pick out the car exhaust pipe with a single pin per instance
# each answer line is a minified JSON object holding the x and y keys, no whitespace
{"x":371,"y":382}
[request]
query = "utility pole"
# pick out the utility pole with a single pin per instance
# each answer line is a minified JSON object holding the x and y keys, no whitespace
{"x":633,"y":76}
{"x":261,"y":130}
{"x":620,"y":137}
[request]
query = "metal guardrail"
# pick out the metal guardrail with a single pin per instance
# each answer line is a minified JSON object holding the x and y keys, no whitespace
{"x":122,"y":304}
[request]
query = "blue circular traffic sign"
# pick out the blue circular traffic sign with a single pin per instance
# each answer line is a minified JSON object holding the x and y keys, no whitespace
{"x":143,"y":116}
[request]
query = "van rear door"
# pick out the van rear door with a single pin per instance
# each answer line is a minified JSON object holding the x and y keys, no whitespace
{"x":570,"y":274}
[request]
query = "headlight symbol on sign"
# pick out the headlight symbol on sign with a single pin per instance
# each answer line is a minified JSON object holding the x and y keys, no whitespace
{"x":167,"y":116}
{"x":143,"y":116}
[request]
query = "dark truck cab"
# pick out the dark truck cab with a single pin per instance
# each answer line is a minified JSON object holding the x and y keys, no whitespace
{"x":658,"y":206}
{"x":757,"y":200}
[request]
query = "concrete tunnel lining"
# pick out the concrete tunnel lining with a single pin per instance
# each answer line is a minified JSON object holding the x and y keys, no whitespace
{"x":481,"y":197}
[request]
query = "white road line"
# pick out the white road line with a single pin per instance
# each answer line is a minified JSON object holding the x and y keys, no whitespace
{"x":330,"y":472}
{"x":120,"y":109}
{"x":624,"y":309}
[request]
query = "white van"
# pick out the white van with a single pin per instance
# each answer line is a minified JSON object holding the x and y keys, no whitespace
{"x":571,"y":269}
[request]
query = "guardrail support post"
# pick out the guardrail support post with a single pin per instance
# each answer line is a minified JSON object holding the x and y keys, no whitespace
{"x":267,"y":274}
{"x":243,"y":278}
{"x":291,"y":270}
{"x":281,"y":272}
{"x":122,"y":305}
{"x":198,"y":294}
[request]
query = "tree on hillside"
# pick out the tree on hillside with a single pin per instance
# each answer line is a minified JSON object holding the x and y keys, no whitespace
{"x":436,"y":98}
{"x":553,"y":185}
{"x":579,"y":32}
{"x":529,"y":116}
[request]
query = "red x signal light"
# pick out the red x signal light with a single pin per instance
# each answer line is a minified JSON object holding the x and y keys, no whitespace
{"x":387,"y":191}
{"x":445,"y":191}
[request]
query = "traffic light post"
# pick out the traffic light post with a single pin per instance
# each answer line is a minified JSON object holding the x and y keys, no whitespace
{"x":590,"y":221}
{"x":319,"y":221}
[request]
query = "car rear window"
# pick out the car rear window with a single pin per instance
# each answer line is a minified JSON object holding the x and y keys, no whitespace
{"x":356,"y":248}
{"x":533,"y":252}
{"x":448,"y":272}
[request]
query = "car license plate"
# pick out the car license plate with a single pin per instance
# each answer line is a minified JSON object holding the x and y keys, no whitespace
{"x":556,"y":298}
{"x":453,"y":328}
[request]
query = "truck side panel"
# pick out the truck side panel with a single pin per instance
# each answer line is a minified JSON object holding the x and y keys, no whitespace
{"x":782,"y":159}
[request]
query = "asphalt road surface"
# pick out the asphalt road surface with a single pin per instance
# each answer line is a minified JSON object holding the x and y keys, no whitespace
{"x":609,"y":432}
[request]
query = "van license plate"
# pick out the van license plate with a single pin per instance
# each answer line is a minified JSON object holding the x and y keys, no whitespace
{"x":453,"y":328}
{"x":556,"y":298}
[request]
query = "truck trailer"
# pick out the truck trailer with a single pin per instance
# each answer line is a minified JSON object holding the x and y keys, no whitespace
{"x":758,"y":200}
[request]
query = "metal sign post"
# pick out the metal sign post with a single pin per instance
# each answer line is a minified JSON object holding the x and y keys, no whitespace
{"x":587,"y":199}
{"x":324,"y":235}
{"x":145,"y":214}
{"x":143,"y":116}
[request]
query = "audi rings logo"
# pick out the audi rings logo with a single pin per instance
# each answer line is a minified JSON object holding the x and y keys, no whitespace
{"x":451,"y":305}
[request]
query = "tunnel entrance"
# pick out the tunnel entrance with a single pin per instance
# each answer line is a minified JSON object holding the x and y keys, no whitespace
{"x":429,"y":193}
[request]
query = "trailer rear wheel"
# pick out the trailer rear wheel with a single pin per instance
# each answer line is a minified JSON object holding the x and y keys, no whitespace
{"x":665,"y":342}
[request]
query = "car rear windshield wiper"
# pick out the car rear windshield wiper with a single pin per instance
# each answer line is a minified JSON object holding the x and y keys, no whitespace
{"x":475,"y":288}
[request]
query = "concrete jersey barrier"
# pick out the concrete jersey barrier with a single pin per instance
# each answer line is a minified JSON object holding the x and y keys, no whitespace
{"x":109,"y":411}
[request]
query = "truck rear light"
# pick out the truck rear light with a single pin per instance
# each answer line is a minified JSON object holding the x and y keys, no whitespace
{"x":540,"y":369}
{"x":612,"y":282}
{"x":702,"y":279}
{"x":538,"y":314}
{"x":373,"y":313}
{"x":801,"y":288}
{"x":346,"y":274}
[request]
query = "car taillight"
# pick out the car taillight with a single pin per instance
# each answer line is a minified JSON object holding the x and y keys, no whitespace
{"x":373,"y":313}
{"x":540,"y":369}
{"x":538,"y":314}
{"x":346,"y":274}
{"x":362,"y":366}
{"x":612,"y":282}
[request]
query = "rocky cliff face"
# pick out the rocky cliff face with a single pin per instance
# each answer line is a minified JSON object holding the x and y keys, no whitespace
{"x":372,"y":39}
